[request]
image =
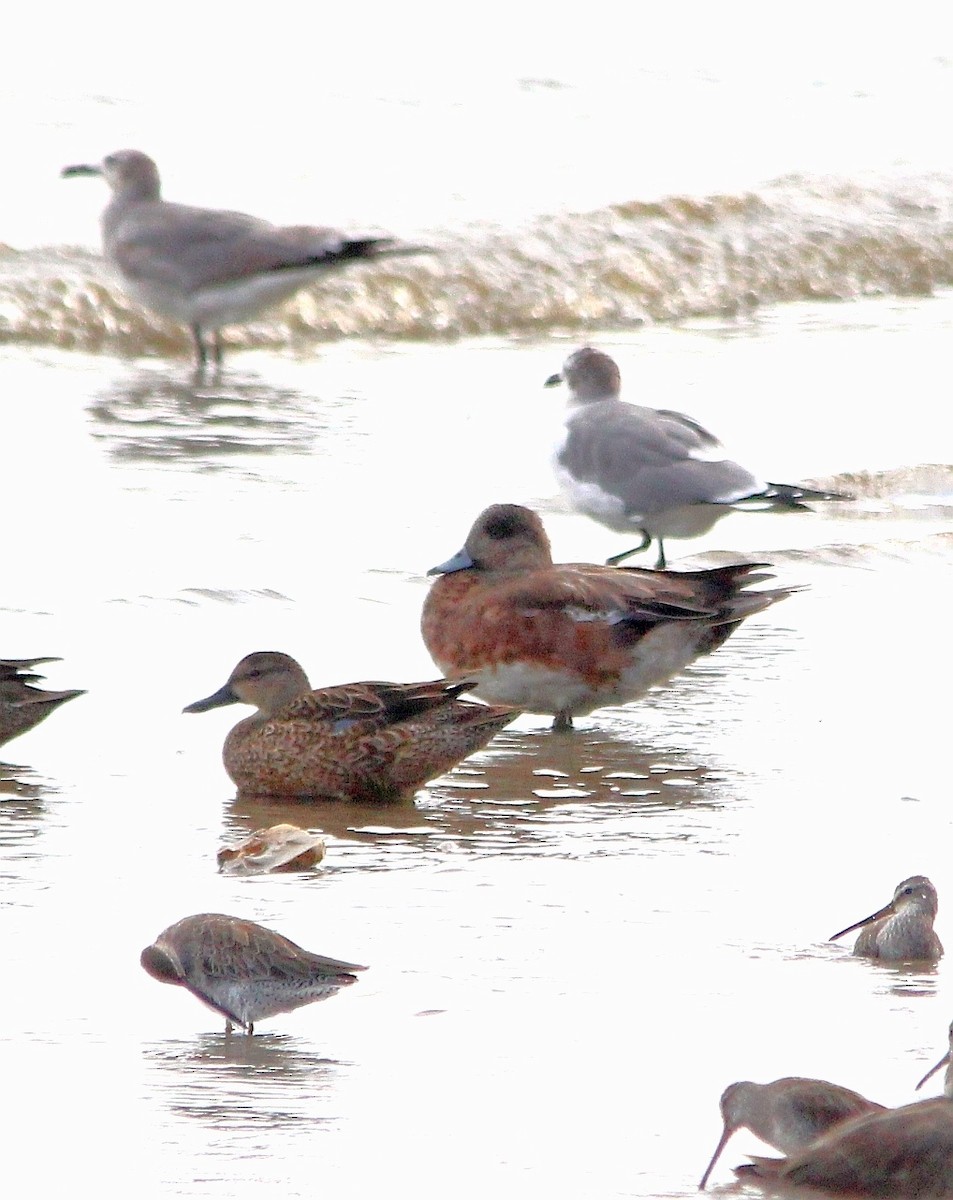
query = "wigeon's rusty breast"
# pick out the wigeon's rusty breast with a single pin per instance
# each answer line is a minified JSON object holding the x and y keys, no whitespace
{"x":469,"y":623}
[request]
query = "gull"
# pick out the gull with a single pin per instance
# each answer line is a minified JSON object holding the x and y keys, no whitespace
{"x":208,"y":268}
{"x":650,"y":470}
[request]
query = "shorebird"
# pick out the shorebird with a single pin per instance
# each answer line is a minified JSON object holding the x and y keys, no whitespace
{"x":375,"y":743}
{"x":902,"y":929}
{"x":568,"y":638}
{"x":788,"y":1113}
{"x":207,"y":268}
{"x":21,"y":705}
{"x":241,"y":970}
{"x":649,"y":470}
{"x":903,"y":1153}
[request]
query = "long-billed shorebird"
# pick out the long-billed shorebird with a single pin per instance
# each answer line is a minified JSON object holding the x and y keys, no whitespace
{"x":902,"y":1154}
{"x":241,"y":970}
{"x":903,"y":929}
{"x":788,"y":1113}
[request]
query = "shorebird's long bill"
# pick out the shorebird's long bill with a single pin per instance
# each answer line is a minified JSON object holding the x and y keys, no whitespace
{"x":933,"y":1070}
{"x":80,"y":169}
{"x":883,"y":912}
{"x":715,"y":1157}
{"x":223,"y":696}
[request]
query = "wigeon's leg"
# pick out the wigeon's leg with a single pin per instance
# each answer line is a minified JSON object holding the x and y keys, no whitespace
{"x":643,"y":545}
{"x":228,"y":1028}
{"x":562,"y":722}
{"x":250,"y":1029}
{"x":660,"y":561}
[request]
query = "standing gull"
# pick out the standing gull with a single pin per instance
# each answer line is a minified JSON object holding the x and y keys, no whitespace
{"x":650,"y":470}
{"x":205,"y":267}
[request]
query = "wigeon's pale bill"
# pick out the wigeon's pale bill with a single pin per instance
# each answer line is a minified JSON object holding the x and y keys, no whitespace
{"x":568,"y":638}
{"x":374,"y":743}
{"x":277,"y":848}
{"x":903,"y":929}
{"x":788,"y":1113}
{"x":902,"y":1153}
{"x":241,"y":970}
{"x":21,"y":704}
{"x":650,"y":471}
{"x":208,"y":268}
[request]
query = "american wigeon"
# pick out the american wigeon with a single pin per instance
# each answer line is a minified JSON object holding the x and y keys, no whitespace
{"x":241,"y":970}
{"x":652,"y":471}
{"x":902,"y":929}
{"x":787,"y":1114}
{"x":204,"y":267}
{"x":277,"y":848}
{"x":572,"y":637}
{"x":374,"y":743}
{"x":23,"y":706}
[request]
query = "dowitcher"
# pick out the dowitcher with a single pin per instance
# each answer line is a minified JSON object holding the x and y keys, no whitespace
{"x":902,"y":929}
{"x":241,"y":970}
{"x":788,"y":1113}
{"x":905,"y":1153}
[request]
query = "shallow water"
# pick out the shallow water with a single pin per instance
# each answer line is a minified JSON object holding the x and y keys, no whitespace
{"x":574,"y":942}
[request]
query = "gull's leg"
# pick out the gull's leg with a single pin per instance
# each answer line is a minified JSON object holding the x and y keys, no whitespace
{"x":643,"y":545}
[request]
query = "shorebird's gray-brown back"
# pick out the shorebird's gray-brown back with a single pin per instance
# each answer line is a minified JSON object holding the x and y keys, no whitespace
{"x":209,"y":268}
{"x":242,"y":970}
{"x":652,"y":471}
{"x":903,"y":929}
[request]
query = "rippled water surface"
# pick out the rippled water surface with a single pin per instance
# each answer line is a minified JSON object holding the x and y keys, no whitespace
{"x":574,"y":942}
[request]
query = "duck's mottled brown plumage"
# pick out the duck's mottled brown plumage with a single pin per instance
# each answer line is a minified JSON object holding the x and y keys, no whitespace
{"x":568,"y":638}
{"x":242,"y":970}
{"x":369,"y":742}
{"x":21,"y":705}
